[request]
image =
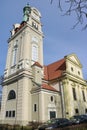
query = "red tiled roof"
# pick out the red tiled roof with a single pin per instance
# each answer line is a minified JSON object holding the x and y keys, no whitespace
{"x":47,"y":87}
{"x":37,"y":64}
{"x":21,"y":25}
{"x":54,"y":70}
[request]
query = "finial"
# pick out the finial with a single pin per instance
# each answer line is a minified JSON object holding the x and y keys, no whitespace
{"x":28,"y":3}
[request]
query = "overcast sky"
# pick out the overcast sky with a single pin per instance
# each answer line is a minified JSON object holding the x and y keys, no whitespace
{"x":59,"y":38}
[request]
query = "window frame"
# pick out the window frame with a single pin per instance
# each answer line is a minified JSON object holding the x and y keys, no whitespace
{"x":35,"y":107}
{"x":11,"y":95}
{"x":10,"y":114}
{"x":52,"y":114}
{"x":14,"y":53}
{"x":51,"y":98}
{"x":34,"y":52}
{"x":13,"y":113}
{"x":74,"y":93}
{"x":7,"y":114}
{"x":83,"y":95}
{"x":76,"y":111}
{"x":86,"y":110}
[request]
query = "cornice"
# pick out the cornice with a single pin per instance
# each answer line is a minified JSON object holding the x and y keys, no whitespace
{"x":16,"y":76}
{"x":17,"y":33}
{"x":76,"y":79}
{"x":20,"y":30}
{"x":39,"y":89}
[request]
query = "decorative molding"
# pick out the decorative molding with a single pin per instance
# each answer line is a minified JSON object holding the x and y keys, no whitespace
{"x":73,"y":84}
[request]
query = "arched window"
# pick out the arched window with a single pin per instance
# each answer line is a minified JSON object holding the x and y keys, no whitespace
{"x":11,"y":95}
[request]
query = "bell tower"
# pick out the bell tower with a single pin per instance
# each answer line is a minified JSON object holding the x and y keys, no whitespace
{"x":25,"y":48}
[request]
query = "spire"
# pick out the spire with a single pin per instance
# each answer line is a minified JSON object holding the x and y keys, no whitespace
{"x":26,"y":12}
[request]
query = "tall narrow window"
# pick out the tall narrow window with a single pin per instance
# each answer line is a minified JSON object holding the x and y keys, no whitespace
{"x":6,"y":113}
{"x":9,"y":113}
{"x":14,"y":56}
{"x":14,"y":53}
{"x":34,"y":52}
{"x":83,"y":94}
{"x":35,"y":107}
{"x":13,"y":113}
{"x":76,"y":111}
{"x":74,"y":93}
{"x":86,"y":110}
{"x":51,"y":98}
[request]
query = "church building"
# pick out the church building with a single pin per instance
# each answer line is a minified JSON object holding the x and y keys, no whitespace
{"x":33,"y":91}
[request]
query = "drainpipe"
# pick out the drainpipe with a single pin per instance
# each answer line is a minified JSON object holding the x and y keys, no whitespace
{"x":16,"y":116}
{"x":38,"y":107}
{"x":62,"y":99}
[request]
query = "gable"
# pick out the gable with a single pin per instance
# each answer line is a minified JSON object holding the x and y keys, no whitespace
{"x":73,"y":58}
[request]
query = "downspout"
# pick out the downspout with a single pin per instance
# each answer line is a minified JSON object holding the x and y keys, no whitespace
{"x":16,"y":104}
{"x":38,"y":106}
{"x":62,"y":99}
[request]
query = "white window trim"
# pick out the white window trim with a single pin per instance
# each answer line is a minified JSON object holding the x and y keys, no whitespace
{"x":34,"y":52}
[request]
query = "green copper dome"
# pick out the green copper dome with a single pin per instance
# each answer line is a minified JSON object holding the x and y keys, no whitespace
{"x":26,"y":12}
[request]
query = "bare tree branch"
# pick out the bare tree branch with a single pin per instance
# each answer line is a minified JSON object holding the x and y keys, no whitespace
{"x":78,"y":7}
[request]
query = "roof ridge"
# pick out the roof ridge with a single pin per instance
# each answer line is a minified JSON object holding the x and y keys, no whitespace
{"x":56,"y":61}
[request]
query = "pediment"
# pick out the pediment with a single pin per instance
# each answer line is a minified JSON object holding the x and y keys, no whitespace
{"x":73,"y":58}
